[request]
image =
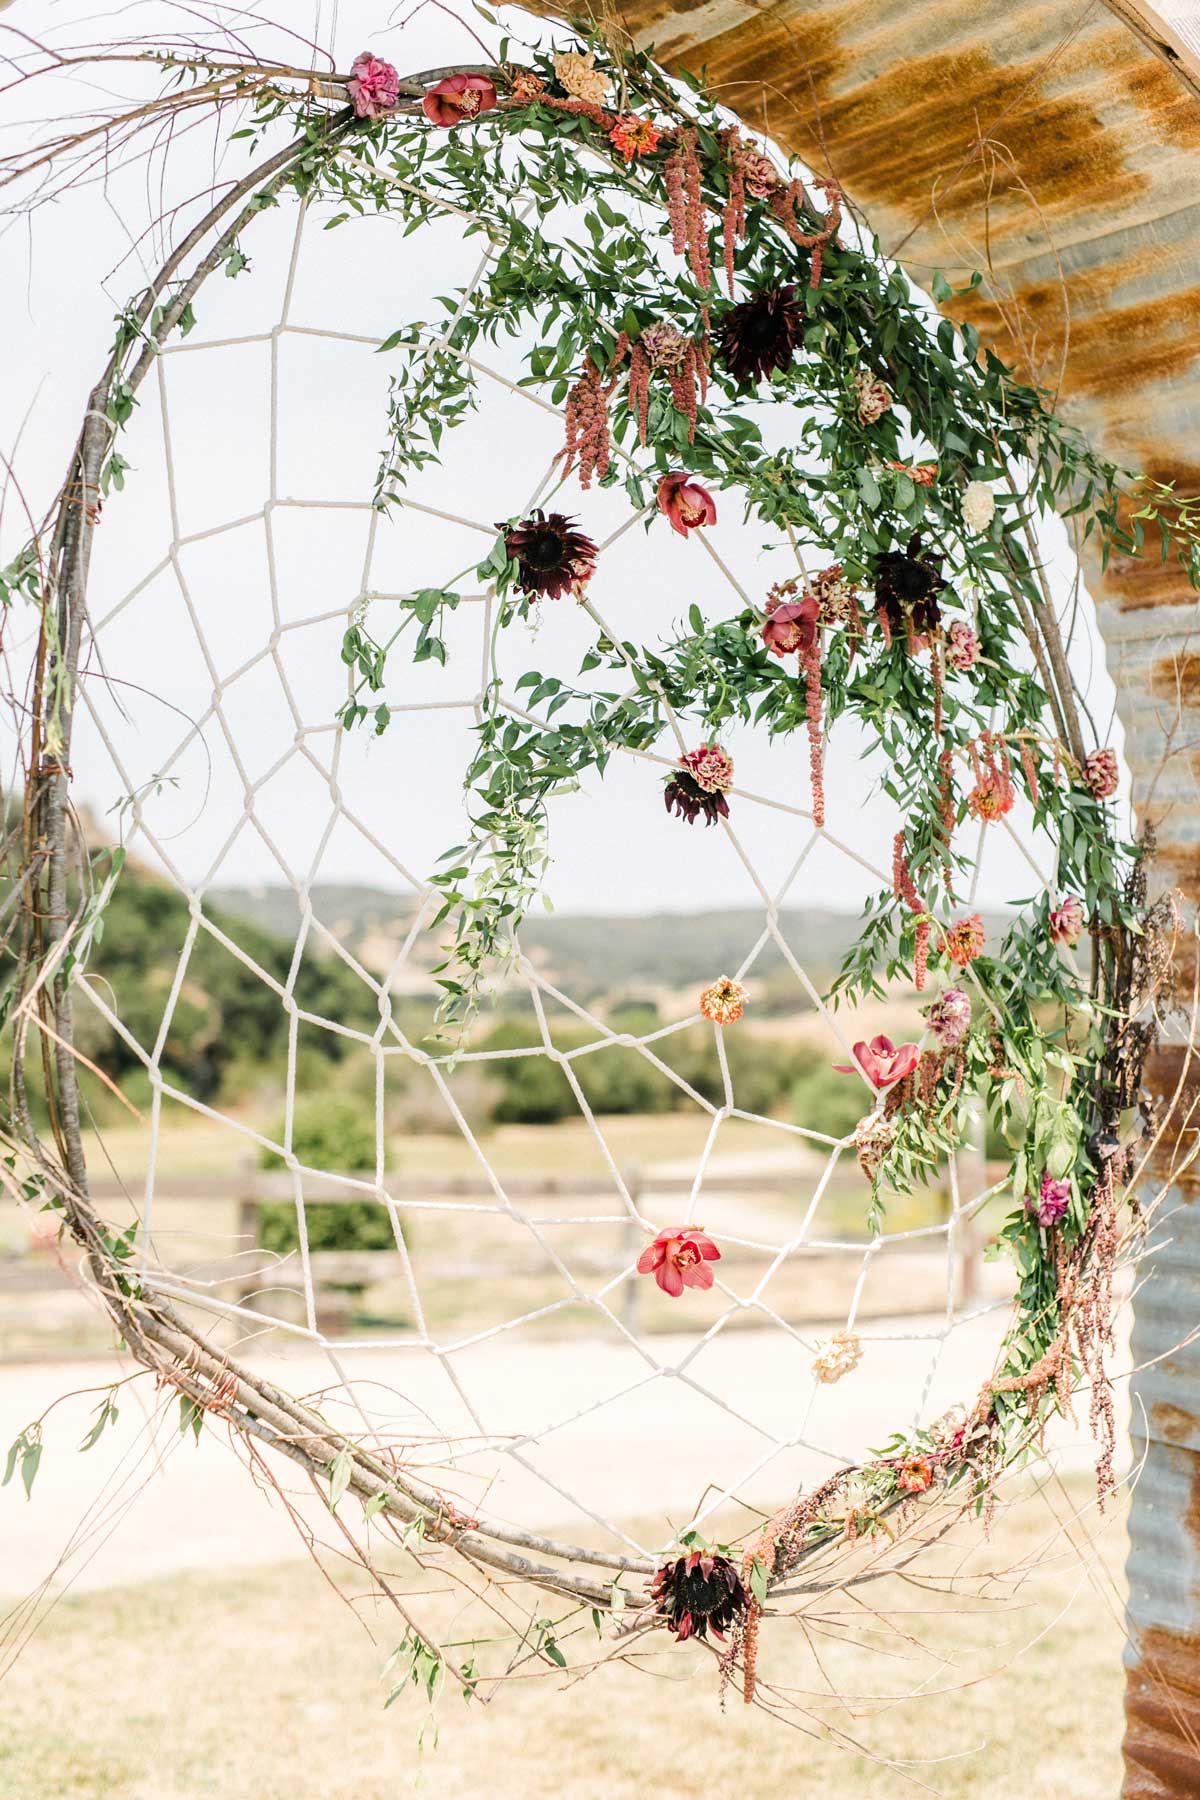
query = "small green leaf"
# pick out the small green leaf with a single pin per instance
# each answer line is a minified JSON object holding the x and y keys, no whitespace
{"x":339,"y":1476}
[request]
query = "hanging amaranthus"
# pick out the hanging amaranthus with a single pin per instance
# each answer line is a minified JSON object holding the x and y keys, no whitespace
{"x":993,"y":793}
{"x":663,"y":348}
{"x":948,"y":813}
{"x":810,"y":658}
{"x":1029,"y":764}
{"x":903,"y":889}
{"x":733,"y":218}
{"x":788,"y":204}
{"x":685,"y":206}
{"x":587,"y":426}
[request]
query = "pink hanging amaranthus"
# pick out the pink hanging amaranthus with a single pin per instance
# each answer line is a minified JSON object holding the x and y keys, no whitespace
{"x":587,"y":425}
{"x":793,"y":624}
{"x":788,"y":204}
{"x":993,"y":793}
{"x":903,"y":889}
{"x":733,"y":218}
{"x":948,"y":813}
{"x":664,"y":349}
{"x":685,"y":206}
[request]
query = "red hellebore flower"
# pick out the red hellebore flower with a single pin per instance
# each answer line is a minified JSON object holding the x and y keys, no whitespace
{"x":457,"y":98}
{"x":679,"y":1258}
{"x":881,"y":1061}
{"x":792,"y":626}
{"x":685,"y":503}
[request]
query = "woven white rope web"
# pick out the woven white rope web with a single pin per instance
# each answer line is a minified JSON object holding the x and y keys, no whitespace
{"x":552,"y":1406}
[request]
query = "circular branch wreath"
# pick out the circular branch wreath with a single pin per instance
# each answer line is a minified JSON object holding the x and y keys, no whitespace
{"x":925,"y":615}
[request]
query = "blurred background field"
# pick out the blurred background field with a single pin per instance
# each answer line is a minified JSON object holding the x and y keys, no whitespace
{"x":224,"y":1207}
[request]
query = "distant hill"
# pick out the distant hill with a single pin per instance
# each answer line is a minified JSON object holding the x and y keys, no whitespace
{"x":586,"y":953}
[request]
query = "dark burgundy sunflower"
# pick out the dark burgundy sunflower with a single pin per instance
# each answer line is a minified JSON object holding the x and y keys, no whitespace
{"x":907,"y":584}
{"x":699,"y":1593}
{"x":761,"y":335}
{"x":551,"y":556}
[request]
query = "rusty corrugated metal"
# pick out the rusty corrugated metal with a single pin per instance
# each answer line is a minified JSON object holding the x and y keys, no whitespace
{"x":1162,"y":1701}
{"x":1067,"y":139}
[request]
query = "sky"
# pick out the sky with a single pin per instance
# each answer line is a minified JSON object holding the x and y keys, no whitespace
{"x":224,"y":575}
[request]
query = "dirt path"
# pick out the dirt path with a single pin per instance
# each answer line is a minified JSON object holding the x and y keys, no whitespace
{"x":146,"y":1501}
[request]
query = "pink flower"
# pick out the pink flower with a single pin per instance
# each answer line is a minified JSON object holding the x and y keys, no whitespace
{"x":792,"y":626}
{"x":1053,"y":1201}
{"x":881,"y":1061}
{"x":837,"y":595}
{"x":758,"y":172}
{"x":1101,"y":774}
{"x":679,"y":1258}
{"x":962,"y":649}
{"x":950,"y":1018}
{"x":964,"y":940}
{"x":1066,"y":922}
{"x":457,"y":98}
{"x":634,"y":137}
{"x":373,"y":87}
{"x":710,"y":767}
{"x":871,"y":398}
{"x":685,"y":503}
{"x":914,"y":1475}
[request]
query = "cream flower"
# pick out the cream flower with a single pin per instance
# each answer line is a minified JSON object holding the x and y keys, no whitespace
{"x":838,"y":1356}
{"x":978,"y":505}
{"x":581,"y":78}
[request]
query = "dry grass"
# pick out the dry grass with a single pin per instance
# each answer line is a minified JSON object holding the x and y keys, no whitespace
{"x":261,"y":1684}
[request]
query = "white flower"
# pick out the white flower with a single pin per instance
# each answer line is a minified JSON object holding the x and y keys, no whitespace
{"x":978,"y":505}
{"x":838,"y":1356}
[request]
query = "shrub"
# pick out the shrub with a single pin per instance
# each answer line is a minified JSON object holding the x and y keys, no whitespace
{"x":334,"y":1132}
{"x":825,"y":1101}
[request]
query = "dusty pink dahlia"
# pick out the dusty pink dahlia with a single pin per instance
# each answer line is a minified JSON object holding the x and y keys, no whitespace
{"x":964,"y":940}
{"x":1053,"y":1201}
{"x":699,"y":785}
{"x":1101,"y":773}
{"x":373,"y":87}
{"x":949,"y":1018}
{"x":1066,"y":922}
{"x":962,"y":646}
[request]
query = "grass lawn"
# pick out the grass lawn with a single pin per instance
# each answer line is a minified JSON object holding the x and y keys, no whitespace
{"x":260,"y":1685}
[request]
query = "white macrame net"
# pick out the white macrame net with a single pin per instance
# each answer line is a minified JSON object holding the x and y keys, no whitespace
{"x":207,"y":716}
